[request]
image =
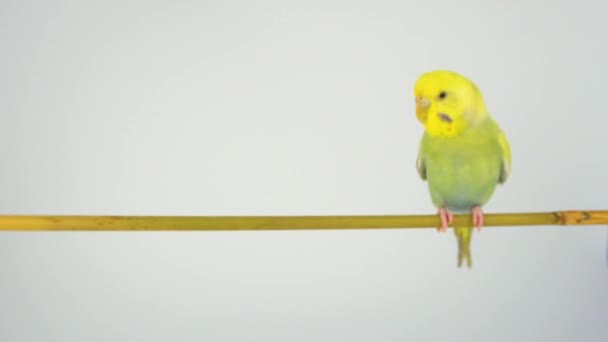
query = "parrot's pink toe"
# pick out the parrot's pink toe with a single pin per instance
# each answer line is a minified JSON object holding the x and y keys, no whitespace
{"x":446,"y":219}
{"x":477,"y":217}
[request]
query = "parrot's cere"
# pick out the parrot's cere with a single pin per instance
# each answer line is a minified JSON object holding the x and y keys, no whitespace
{"x":463,"y":153}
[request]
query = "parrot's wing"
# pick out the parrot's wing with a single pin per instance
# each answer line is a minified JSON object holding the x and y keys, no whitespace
{"x":421,"y":167}
{"x":505,"y":168}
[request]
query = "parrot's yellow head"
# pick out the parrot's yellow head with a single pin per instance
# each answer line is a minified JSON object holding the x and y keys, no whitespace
{"x":447,"y":103}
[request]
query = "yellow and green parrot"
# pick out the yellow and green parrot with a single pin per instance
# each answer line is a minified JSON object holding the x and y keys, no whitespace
{"x":463,"y":153}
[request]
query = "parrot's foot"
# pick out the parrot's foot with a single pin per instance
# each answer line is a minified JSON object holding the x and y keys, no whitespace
{"x":446,"y":219}
{"x":477,"y":217}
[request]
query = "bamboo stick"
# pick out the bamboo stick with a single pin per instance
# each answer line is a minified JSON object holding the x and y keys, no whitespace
{"x":258,"y":223}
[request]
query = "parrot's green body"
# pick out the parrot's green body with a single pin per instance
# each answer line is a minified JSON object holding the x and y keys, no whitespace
{"x":462,"y":172}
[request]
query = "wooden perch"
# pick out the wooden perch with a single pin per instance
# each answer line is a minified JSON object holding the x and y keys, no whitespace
{"x":242,"y":223}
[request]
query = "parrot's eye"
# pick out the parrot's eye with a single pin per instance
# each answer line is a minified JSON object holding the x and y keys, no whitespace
{"x":442,"y":95}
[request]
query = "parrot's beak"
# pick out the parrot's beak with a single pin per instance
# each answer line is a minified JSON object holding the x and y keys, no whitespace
{"x":422,"y":104}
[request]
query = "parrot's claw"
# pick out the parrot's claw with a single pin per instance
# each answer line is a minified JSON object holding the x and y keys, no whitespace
{"x":446,"y":219}
{"x":477,"y":217}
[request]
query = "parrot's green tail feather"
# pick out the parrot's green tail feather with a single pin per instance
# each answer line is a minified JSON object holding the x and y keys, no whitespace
{"x":463,"y":234}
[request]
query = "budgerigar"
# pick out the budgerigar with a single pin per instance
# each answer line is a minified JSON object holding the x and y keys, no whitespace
{"x":463,"y":153}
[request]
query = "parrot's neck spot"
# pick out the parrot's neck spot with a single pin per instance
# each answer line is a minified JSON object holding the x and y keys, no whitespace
{"x":444,"y":117}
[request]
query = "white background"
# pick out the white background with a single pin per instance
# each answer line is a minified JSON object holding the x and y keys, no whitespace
{"x":278,"y":108}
